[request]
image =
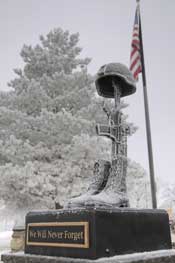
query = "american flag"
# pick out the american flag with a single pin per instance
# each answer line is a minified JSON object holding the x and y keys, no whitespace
{"x":135,"y":58}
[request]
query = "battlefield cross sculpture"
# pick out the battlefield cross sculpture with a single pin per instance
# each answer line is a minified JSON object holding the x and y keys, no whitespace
{"x":113,"y":80}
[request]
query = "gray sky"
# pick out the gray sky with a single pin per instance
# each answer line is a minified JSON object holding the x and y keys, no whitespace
{"x":105,"y":28}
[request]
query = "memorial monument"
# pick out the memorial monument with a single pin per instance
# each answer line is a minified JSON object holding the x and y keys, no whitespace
{"x":113,"y":81}
{"x":100,"y":222}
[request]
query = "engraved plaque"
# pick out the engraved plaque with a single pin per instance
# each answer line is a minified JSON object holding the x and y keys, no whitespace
{"x":58,"y":234}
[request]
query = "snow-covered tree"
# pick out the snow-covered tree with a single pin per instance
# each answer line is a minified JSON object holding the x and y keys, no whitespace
{"x":53,"y":76}
{"x":138,"y":186}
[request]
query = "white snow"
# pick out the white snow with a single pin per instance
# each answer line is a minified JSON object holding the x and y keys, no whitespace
{"x":5,"y":238}
{"x":136,"y":257}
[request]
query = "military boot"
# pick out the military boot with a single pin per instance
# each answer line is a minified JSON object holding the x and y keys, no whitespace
{"x":100,"y":178}
{"x":114,"y":193}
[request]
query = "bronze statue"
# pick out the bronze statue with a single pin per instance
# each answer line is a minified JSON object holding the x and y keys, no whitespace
{"x":114,"y":80}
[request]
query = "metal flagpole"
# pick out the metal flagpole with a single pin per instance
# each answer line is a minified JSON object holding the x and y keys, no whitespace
{"x":147,"y":119}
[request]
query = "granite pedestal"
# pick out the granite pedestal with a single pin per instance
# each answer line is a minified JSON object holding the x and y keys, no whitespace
{"x":96,"y":233}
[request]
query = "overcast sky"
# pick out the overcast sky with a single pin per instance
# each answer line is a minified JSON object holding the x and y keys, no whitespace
{"x":105,"y":28}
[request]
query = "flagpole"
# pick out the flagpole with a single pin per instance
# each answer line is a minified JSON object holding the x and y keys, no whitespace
{"x":147,"y":119}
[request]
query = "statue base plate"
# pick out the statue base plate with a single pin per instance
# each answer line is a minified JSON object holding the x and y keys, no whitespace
{"x":96,"y":233}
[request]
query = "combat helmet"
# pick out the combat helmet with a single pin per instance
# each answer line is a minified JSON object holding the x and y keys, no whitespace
{"x":114,"y":72}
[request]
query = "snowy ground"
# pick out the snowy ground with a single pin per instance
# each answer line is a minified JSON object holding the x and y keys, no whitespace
{"x":151,"y":256}
{"x":5,"y":238}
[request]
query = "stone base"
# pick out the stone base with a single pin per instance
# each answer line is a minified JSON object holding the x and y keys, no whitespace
{"x":96,"y":233}
{"x":160,"y":256}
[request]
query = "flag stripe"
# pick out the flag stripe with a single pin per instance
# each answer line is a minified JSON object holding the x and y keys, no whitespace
{"x":135,"y":62}
{"x":136,"y":66}
{"x":134,"y":57}
{"x":139,"y":69}
{"x":133,"y":51}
